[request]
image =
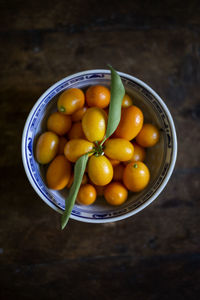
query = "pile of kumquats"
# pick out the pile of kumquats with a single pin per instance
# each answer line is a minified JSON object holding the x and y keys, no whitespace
{"x":78,"y":127}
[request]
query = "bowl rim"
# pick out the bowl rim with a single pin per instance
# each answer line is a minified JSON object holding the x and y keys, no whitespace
{"x":167,"y":176}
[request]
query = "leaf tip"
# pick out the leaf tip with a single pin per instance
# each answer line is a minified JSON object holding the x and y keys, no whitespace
{"x":62,"y":226}
{"x":63,"y":222}
{"x":110,"y":67}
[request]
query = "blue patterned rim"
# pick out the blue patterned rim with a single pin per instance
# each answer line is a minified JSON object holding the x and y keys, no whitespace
{"x":83,"y":213}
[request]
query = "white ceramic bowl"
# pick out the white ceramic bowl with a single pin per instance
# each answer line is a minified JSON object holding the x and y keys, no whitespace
{"x":160,"y":159}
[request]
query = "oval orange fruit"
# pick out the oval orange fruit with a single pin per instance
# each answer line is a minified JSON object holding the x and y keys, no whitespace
{"x":130,"y":124}
{"x":98,"y":95}
{"x":148,"y":136}
{"x":118,"y":149}
{"x":76,"y":148}
{"x":59,"y":123}
{"x":78,"y":115}
{"x":136,"y":176}
{"x":139,"y":153}
{"x":115,"y":193}
{"x":127,"y":101}
{"x":100,"y":170}
{"x":58,"y":173}
{"x":46,"y":147}
{"x":118,"y":172}
{"x":61,"y":145}
{"x":94,"y":124}
{"x":86,"y":195}
{"x":70,"y":101}
{"x":76,"y":131}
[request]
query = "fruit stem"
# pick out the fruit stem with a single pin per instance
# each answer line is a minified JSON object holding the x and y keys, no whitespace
{"x":103,"y":141}
{"x":61,"y":109}
{"x":98,"y":149}
{"x":135,"y":166}
{"x":92,"y":151}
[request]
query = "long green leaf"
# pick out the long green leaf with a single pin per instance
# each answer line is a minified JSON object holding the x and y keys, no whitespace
{"x":78,"y":175}
{"x":114,"y":116}
{"x":117,"y":94}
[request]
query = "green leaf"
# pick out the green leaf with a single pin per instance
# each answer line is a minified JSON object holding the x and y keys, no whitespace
{"x":114,"y":116}
{"x":117,"y":94}
{"x":78,"y":175}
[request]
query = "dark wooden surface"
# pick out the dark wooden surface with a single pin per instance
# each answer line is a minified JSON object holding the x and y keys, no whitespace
{"x":152,"y":255}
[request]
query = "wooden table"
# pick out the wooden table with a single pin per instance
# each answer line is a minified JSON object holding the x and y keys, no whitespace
{"x":152,"y":255}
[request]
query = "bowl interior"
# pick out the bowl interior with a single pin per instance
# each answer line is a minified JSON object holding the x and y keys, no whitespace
{"x":158,"y":157}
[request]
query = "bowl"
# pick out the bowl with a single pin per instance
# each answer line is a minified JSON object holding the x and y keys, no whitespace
{"x":160,"y":158}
